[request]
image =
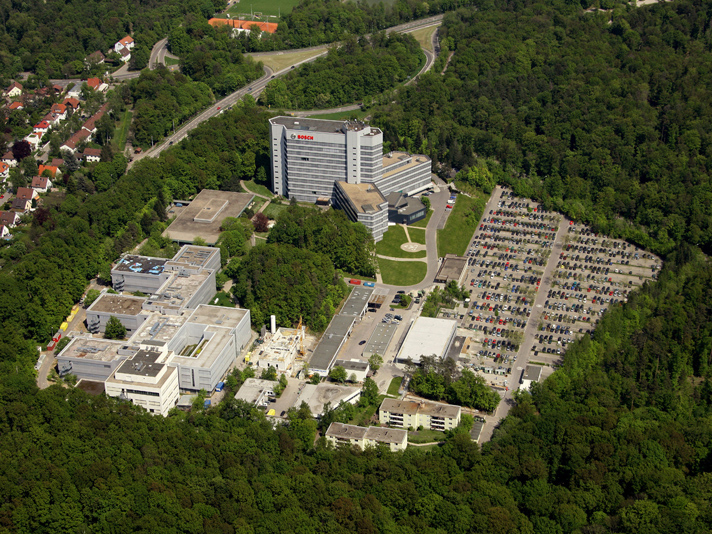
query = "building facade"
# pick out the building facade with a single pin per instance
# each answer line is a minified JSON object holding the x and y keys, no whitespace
{"x":363,"y":203}
{"x":412,"y":414}
{"x":362,"y":437}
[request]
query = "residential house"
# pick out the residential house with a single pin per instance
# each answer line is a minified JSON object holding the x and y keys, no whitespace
{"x":41,"y":184}
{"x":90,"y":124}
{"x":92,"y":155}
{"x":14,"y":90}
{"x":59,"y":110}
{"x":52,"y":119}
{"x":9,"y":159}
{"x":15,"y":106}
{"x":4,"y":170}
{"x":41,"y":127}
{"x":96,"y":84}
{"x":9,"y":218}
{"x":34,"y":139}
{"x":95,"y":58}
{"x":125,"y":43}
{"x":4,"y":232}
{"x":58,"y":89}
{"x":413,"y":414}
{"x":23,"y":199}
{"x":71,"y":143}
{"x":56,"y":162}
{"x":125,"y":55}
{"x":71,"y":103}
{"x":52,"y":169}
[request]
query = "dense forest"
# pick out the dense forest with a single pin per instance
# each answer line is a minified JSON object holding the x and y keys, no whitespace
{"x":51,"y":38}
{"x":360,"y":68}
{"x":348,"y":245}
{"x":617,"y":441}
{"x":290,"y":283}
{"x":606,"y":122}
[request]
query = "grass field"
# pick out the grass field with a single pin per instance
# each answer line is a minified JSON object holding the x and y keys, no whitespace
{"x":342,"y":115}
{"x":122,"y":131}
{"x":273,"y":210}
{"x":424,"y":222}
{"x":425,"y":436}
{"x":172,"y":61}
{"x":424,"y":36}
{"x":270,"y":10}
{"x":417,"y":236}
{"x":462,"y":223}
{"x":259,"y":189}
{"x":395,"y":385}
{"x":391,"y":242}
{"x":283,"y":60}
{"x":223,"y":299}
{"x":402,"y":273}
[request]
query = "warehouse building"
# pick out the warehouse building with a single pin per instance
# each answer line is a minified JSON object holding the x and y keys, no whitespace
{"x":362,"y":437}
{"x":427,"y":336}
{"x":412,"y":414}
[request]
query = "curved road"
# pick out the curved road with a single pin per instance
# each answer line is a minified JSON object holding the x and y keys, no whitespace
{"x":256,"y":87}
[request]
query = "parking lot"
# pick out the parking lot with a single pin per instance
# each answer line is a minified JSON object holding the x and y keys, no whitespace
{"x":538,"y":282}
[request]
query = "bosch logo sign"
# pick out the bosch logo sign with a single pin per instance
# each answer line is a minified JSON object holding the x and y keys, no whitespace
{"x":307,"y":137}
{"x":293,"y":136}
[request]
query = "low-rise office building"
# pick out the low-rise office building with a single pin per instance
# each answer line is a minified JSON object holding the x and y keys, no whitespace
{"x":318,"y":396}
{"x":413,"y":414}
{"x":256,"y":391}
{"x":362,"y":437}
{"x":354,"y":369}
{"x":146,"y":379}
{"x":403,"y":209}
{"x":363,"y":203}
{"x":127,"y":309}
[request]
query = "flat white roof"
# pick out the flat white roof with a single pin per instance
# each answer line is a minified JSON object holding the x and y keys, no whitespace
{"x":427,"y":336}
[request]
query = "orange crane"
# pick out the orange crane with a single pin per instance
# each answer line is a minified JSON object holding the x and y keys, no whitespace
{"x":301,"y":336}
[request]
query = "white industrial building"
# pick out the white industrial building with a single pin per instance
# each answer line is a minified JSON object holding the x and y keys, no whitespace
{"x":362,"y":437}
{"x":531,"y":374}
{"x":310,"y":157}
{"x":357,"y":369}
{"x":256,"y":391}
{"x":427,"y":336}
{"x":146,"y":379}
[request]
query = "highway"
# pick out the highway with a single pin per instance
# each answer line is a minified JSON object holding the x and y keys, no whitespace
{"x":255,"y":88}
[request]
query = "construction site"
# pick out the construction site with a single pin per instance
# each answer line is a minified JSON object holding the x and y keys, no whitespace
{"x":284,"y":349}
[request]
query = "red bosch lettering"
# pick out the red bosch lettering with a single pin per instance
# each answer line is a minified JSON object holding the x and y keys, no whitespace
{"x":307,"y":137}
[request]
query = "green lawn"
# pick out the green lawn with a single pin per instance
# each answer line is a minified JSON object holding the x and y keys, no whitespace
{"x":223,"y":299}
{"x":273,"y":210}
{"x":462,"y":223}
{"x":417,"y":236}
{"x":424,"y":222}
{"x":122,"y":131}
{"x":402,"y":273}
{"x":395,"y":385}
{"x":259,"y":189}
{"x":270,"y":10}
{"x":425,"y":436}
{"x":342,"y":115}
{"x":391,"y":242}
{"x":172,"y":61}
{"x":257,"y":204}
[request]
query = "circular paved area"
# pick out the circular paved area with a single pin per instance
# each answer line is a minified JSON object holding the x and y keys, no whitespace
{"x":413,"y":247}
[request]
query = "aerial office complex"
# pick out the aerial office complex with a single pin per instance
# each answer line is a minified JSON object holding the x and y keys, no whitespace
{"x":325,"y":160}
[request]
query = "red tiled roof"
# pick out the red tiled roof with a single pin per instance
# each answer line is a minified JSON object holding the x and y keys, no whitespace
{"x":16,"y":105}
{"x":9,"y":156}
{"x":12,"y":86}
{"x":77,"y":138}
{"x":96,"y":152}
{"x":49,"y":168}
{"x":40,"y":182}
{"x":3,"y":167}
{"x":43,"y":125}
{"x":25,"y":193}
{"x":58,"y":108}
{"x":269,"y":27}
{"x":94,"y":83}
{"x":71,"y":102}
{"x":8,"y":217}
{"x":56,"y":162}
